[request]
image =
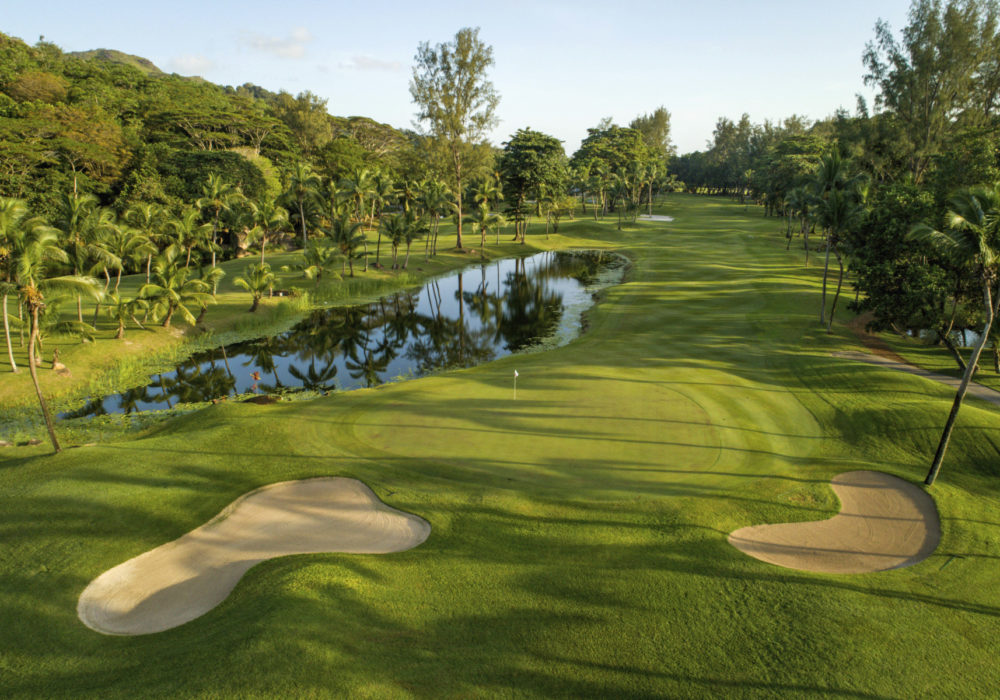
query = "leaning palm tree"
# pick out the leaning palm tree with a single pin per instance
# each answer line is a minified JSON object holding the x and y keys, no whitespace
{"x":36,"y":257}
{"x":973,"y":240}
{"x":258,"y":279}
{"x":15,"y":229}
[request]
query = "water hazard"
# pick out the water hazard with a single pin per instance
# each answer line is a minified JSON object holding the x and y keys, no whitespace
{"x":480,"y":314}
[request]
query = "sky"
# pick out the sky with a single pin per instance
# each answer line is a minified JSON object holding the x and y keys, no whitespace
{"x":560,"y":67}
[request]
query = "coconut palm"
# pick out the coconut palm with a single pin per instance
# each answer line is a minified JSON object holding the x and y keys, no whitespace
{"x":972,"y":239}
{"x":149,"y":220}
{"x":434,"y":200}
{"x":82,"y":224}
{"x":269,"y":217}
{"x":123,"y":310}
{"x":189,"y":233}
{"x":303,"y":188}
{"x":319,"y":257}
{"x":37,"y":255}
{"x":258,"y":279}
{"x":347,"y":236}
{"x":361,"y":188}
{"x":15,"y":229}
{"x":217,"y":197}
{"x":839,"y":214}
{"x":174,"y":290}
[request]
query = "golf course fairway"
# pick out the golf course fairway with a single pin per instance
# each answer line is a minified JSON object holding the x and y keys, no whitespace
{"x":578,"y":542}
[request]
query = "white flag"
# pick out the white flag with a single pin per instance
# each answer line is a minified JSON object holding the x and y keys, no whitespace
{"x":515,"y":374}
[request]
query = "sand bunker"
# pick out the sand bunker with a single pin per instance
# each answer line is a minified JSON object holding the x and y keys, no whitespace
{"x":655,"y":217}
{"x":183,"y":579}
{"x":884,"y":523}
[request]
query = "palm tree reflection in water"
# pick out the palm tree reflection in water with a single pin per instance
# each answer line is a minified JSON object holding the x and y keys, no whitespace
{"x":460,"y":321}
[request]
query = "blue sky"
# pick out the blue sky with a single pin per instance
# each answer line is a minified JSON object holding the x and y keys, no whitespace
{"x":560,"y":66}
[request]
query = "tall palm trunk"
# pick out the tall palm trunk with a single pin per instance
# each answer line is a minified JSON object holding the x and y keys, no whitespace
{"x":826,"y":270}
{"x":302,"y":221}
{"x":34,"y":377}
{"x":836,"y":296}
{"x":6,"y":335}
{"x":970,"y":368}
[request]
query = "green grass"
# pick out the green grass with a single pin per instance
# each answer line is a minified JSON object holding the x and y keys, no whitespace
{"x":579,"y":534}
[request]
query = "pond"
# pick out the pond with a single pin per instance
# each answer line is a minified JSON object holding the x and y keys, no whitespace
{"x":470,"y":317}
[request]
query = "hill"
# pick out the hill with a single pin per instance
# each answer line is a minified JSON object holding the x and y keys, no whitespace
{"x":112,"y":56}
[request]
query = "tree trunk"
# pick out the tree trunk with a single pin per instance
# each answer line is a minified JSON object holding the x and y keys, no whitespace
{"x":378,"y":249}
{"x":170,"y":313}
{"x":149,"y":262}
{"x":406,"y":260}
{"x":34,"y":378}
{"x":6,"y":335}
{"x":836,"y":296}
{"x":826,"y":270}
{"x":952,"y":349}
{"x":256,"y":300}
{"x":302,"y":221}
{"x":963,"y":387}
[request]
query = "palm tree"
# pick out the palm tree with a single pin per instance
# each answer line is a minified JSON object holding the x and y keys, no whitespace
{"x":434,"y":200}
{"x":973,"y":239}
{"x":394,"y":228}
{"x":123,"y":310}
{"x":316,"y":259}
{"x":15,"y":228}
{"x":173,"y":290}
{"x":148,"y":219}
{"x":839,"y":214}
{"x":258,"y":280}
{"x":361,"y":186}
{"x":82,"y":224}
{"x":482,"y":219}
{"x":189,"y":233}
{"x":303,"y":188}
{"x":269,"y":217}
{"x":347,"y":236}
{"x":217,"y":197}
{"x":38,"y":253}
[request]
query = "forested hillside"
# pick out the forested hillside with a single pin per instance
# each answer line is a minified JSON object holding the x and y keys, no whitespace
{"x":126,"y":132}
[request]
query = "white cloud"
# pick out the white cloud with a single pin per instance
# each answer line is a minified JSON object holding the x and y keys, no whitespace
{"x":191,"y":64}
{"x":370,"y":63}
{"x":291,"y":46}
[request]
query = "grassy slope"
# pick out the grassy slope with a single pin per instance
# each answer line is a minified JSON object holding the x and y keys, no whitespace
{"x":578,"y":543}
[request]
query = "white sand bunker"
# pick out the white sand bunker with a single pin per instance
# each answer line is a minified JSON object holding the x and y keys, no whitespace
{"x":655,"y":217}
{"x":184,"y":579}
{"x":884,"y":523}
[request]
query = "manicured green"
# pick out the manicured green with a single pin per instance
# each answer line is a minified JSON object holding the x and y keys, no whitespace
{"x":579,"y":533}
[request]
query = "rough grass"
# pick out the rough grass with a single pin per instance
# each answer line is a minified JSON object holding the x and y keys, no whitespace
{"x":579,"y":533}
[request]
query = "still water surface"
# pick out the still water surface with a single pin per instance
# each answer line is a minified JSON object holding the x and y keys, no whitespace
{"x":474,"y":316}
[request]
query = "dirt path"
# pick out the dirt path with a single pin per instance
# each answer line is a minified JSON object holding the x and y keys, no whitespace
{"x":184,"y":579}
{"x":977,"y":390}
{"x":884,"y":523}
